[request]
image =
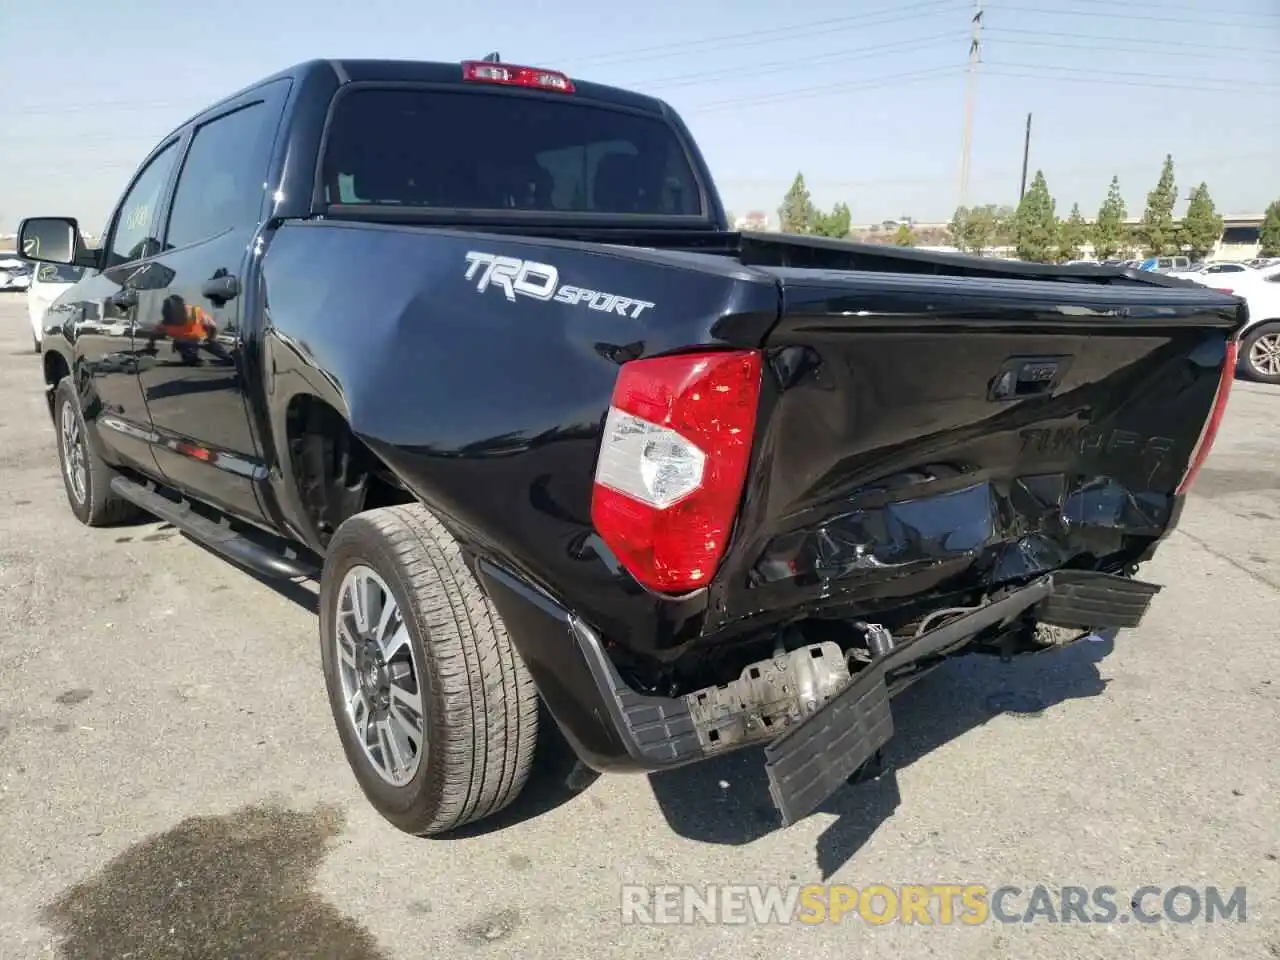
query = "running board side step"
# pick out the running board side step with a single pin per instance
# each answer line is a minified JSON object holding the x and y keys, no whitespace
{"x":276,"y":561}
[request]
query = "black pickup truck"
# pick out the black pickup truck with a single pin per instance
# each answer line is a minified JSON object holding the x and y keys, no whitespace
{"x":473,"y":345}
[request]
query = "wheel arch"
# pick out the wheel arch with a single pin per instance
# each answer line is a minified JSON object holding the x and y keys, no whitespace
{"x":330,"y":472}
{"x":57,"y":365}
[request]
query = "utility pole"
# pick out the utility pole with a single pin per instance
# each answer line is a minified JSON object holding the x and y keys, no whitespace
{"x":975,"y":56}
{"x":1026,"y":152}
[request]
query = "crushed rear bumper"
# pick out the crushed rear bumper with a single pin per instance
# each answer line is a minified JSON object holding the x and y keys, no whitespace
{"x":615,"y":728}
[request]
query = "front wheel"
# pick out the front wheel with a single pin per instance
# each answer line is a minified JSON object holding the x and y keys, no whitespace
{"x":437,"y":714}
{"x":1260,"y":353}
{"x":85,"y":475}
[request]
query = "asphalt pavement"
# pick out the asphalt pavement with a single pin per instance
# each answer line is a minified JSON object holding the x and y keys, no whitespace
{"x":171,"y":784}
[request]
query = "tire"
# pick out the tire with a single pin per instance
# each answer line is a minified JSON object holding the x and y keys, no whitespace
{"x":90,"y":497}
{"x":475,"y":694}
{"x":1260,"y":353}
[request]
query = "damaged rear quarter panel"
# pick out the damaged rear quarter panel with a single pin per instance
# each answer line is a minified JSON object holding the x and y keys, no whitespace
{"x":488,"y":407}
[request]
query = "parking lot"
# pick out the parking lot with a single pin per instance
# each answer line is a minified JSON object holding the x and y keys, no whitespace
{"x":171,"y":784}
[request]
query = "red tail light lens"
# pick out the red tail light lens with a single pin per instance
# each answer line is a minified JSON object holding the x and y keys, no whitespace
{"x":673,"y":461}
{"x":1210,"y":431}
{"x":484,"y":71}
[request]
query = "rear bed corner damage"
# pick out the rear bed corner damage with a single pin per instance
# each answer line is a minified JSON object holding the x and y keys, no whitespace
{"x":821,"y":721}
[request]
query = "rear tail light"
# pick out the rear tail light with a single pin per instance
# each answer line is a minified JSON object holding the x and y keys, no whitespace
{"x":1210,"y":431}
{"x":673,"y":462}
{"x":506,"y":74}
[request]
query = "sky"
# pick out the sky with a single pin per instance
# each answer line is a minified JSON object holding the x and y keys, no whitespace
{"x":866,"y":98}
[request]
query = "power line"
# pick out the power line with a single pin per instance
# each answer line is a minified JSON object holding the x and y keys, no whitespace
{"x":89,"y":106}
{"x":771,"y":34}
{"x":789,"y":64}
{"x":1108,"y":82}
{"x":1148,"y":18}
{"x":1161,"y":6}
{"x":1128,"y":38}
{"x":772,"y":39}
{"x":1106,"y":43}
{"x":826,"y":89}
{"x":642,"y":54}
{"x":1187,"y":82}
{"x":660,"y":52}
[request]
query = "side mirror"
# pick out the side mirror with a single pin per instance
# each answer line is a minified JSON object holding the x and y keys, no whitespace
{"x":51,"y":240}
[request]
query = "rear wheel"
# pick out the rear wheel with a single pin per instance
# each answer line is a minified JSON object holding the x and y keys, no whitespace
{"x":85,"y":475}
{"x":1260,"y":353}
{"x":437,"y":714}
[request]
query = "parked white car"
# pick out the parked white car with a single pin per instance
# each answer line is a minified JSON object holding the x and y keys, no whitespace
{"x":1260,"y":341}
{"x":1210,"y":273}
{"x":15,"y":274}
{"x":48,"y":282}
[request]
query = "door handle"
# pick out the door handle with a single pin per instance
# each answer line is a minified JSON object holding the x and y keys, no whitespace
{"x":124,"y":299}
{"x":221,"y":288}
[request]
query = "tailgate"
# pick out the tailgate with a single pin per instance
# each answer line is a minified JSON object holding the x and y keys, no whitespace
{"x":925,"y":436}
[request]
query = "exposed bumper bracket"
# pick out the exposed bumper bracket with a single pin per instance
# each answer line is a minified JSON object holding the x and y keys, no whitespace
{"x":831,"y":737}
{"x":811,"y":760}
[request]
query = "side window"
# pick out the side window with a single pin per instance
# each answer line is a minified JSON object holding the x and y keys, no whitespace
{"x":223,"y":176}
{"x":132,"y":238}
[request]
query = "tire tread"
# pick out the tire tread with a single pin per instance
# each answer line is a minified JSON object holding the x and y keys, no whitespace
{"x":103,"y":507}
{"x":489,"y":699}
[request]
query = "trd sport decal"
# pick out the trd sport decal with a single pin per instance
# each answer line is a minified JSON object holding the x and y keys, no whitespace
{"x":541,"y":281}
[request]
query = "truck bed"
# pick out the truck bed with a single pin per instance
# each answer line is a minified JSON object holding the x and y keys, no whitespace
{"x":768,"y":249}
{"x":888,"y":472}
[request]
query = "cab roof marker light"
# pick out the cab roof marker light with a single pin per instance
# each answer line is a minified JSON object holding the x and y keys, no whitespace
{"x":510,"y":75}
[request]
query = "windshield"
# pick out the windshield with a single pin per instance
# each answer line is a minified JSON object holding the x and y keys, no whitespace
{"x":489,"y":151}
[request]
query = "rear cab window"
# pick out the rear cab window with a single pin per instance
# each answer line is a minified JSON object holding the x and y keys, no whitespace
{"x":440,"y":149}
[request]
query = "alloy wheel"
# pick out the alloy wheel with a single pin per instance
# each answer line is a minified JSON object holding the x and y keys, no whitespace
{"x":381,"y":685}
{"x":1264,"y":355}
{"x":74,"y":458}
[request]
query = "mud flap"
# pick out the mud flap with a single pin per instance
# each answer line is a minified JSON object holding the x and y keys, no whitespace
{"x":812,"y":760}
{"x":1088,"y":600}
